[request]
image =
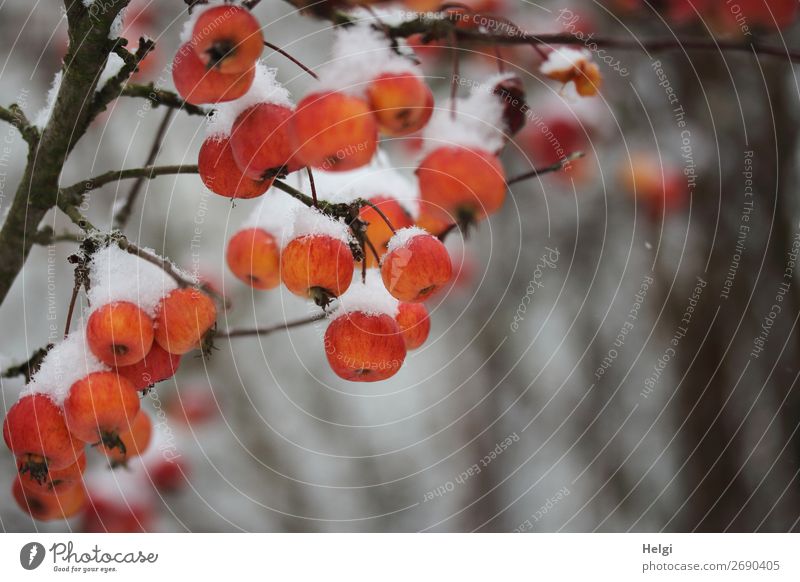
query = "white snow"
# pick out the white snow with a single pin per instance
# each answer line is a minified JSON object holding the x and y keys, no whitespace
{"x":113,"y":66}
{"x":274,"y":214}
{"x":391,"y":16}
{"x":360,"y":53}
{"x":309,"y":221}
{"x":188,"y":26}
{"x":477,"y":123}
{"x":403,"y":236}
{"x":370,"y":297}
{"x":563,"y":60}
{"x":376,"y":179}
{"x":117,"y":275}
{"x":69,"y":361}
{"x":115,"y":30}
{"x":43,"y":117}
{"x":265,"y":89}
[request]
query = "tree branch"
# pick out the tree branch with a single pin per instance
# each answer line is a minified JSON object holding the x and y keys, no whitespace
{"x":499,"y":31}
{"x":113,"y":87}
{"x":161,"y":97}
{"x":72,"y":193}
{"x":28,"y":368}
{"x":122,"y":242}
{"x":37,"y":191}
{"x":16,"y":117}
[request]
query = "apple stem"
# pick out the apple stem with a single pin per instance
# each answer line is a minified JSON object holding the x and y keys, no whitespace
{"x":313,"y":186}
{"x":280,"y":51}
{"x":260,"y":331}
{"x":380,"y":212}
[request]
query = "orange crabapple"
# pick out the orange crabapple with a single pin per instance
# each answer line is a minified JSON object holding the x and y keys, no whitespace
{"x":119,"y":333}
{"x":465,"y":183}
{"x":183,"y":317}
{"x":221,"y":174}
{"x":378,"y":231}
{"x":260,"y":141}
{"x":364,"y":347}
{"x":414,"y":323}
{"x":135,"y":440}
{"x":317,"y":266}
{"x":55,"y":480}
{"x":52,"y":505}
{"x":227,"y":38}
{"x":36,"y":432}
{"x":401,"y":102}
{"x":254,"y":257}
{"x":416,"y":266}
{"x":198,"y":85}
{"x":156,"y":366}
{"x":333,"y":131}
{"x":101,"y":407}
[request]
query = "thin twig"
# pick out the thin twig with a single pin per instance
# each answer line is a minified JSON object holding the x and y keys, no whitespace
{"x":124,"y":213}
{"x":262,"y":331}
{"x":28,"y":368}
{"x":72,"y":300}
{"x":313,"y":186}
{"x":280,"y":51}
{"x":78,"y":189}
{"x":547,"y":169}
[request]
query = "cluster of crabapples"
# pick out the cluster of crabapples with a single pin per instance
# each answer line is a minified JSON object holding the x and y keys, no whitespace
{"x":87,"y":389}
{"x":366,"y":246}
{"x":384,"y":258}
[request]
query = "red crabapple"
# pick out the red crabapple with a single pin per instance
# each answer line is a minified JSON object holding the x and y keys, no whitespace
{"x":198,"y":85}
{"x":333,"y":131}
{"x":317,"y":266}
{"x":228,"y":39}
{"x":183,"y":318}
{"x":101,"y":407}
{"x":402,"y":103}
{"x":220,"y":173}
{"x":135,"y":440}
{"x":168,"y":475}
{"x":36,"y":432}
{"x":119,"y":333}
{"x":50,"y":506}
{"x":55,"y":480}
{"x":192,"y":407}
{"x":254,"y":256}
{"x":416,"y":268}
{"x":260,"y":141}
{"x":156,"y":366}
{"x":103,"y":515}
{"x":433,"y":219}
{"x":378,"y":232}
{"x":464,"y":183}
{"x":364,"y":347}
{"x":414,"y":323}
